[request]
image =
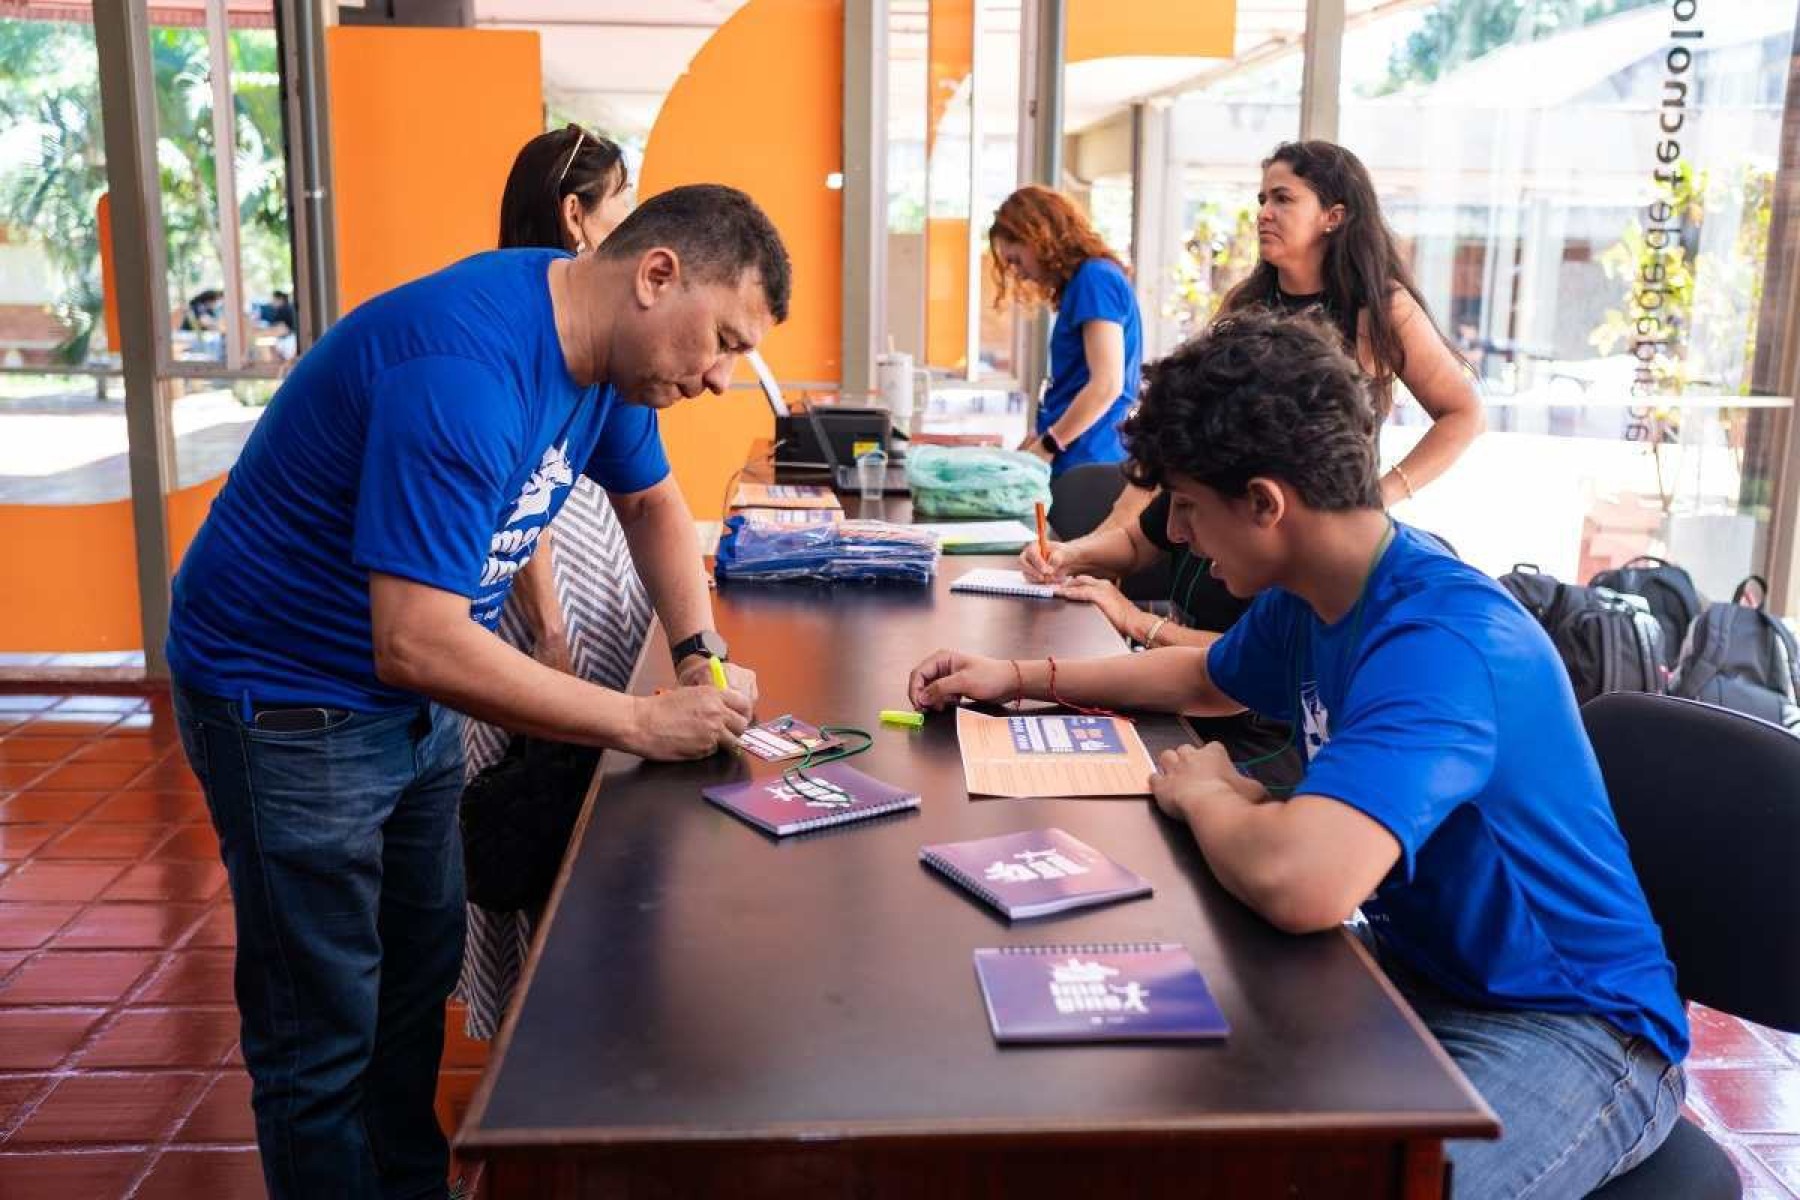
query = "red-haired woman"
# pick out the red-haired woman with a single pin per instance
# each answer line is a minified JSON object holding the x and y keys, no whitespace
{"x":1045,"y":251}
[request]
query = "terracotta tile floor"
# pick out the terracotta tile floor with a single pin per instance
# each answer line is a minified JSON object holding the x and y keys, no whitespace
{"x":119,"y":1072}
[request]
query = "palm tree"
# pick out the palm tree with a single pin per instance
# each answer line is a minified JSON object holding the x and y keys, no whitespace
{"x":49,"y":86}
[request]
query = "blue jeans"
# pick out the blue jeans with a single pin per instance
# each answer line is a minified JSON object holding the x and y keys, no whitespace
{"x":345,"y":861}
{"x":1580,"y":1102}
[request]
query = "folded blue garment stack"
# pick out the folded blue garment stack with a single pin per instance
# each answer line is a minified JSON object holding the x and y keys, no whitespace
{"x":848,"y":551}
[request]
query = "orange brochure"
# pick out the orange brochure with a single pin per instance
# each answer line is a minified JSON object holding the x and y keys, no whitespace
{"x":1052,"y":754}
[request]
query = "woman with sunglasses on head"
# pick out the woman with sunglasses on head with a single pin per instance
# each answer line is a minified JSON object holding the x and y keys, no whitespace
{"x":578,"y":604}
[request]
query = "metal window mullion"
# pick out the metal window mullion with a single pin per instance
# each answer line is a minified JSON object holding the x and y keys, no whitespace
{"x":122,"y":43}
{"x":1043,"y":35}
{"x":972,"y":329}
{"x":224,"y":125}
{"x":1322,"y":69}
{"x":307,"y":133}
{"x":864,"y":195}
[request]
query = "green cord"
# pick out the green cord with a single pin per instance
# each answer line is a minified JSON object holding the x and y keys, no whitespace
{"x":796,"y":775}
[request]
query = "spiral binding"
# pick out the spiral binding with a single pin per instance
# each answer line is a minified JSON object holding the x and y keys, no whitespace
{"x":1089,"y":948}
{"x":977,"y":886}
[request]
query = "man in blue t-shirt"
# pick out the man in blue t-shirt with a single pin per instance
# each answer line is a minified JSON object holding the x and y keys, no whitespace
{"x":1450,"y":791}
{"x":341,"y":598}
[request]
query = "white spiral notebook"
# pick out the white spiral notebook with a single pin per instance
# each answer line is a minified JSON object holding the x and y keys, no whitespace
{"x":995,"y":581}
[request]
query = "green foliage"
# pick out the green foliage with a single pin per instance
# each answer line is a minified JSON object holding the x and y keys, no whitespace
{"x":1460,"y":31}
{"x":1711,"y":300}
{"x":49,"y":83}
{"x":1220,"y":251}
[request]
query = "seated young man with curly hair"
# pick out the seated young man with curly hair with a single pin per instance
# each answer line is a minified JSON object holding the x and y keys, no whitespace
{"x":1450,"y":790}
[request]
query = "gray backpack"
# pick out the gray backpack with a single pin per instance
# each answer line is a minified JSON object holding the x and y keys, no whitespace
{"x":1738,"y":656}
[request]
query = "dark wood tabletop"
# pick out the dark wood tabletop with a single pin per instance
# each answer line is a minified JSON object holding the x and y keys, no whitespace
{"x":701,"y":986}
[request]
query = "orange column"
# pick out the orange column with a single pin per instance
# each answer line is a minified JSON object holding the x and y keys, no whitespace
{"x":1181,"y":28}
{"x":424,"y":127}
{"x":760,"y":108}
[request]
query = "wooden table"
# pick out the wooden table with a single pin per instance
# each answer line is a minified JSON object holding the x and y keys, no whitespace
{"x":709,"y":1012}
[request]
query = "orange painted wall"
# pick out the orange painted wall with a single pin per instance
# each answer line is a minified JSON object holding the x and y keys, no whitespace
{"x":760,"y":108}
{"x":947,"y":292}
{"x":109,"y":281}
{"x":70,"y":577}
{"x":1203,"y":28}
{"x":424,"y":127}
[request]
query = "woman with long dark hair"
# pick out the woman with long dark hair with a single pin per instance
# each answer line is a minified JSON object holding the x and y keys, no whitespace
{"x":578,"y":605}
{"x":1324,"y":245}
{"x":1045,"y":252}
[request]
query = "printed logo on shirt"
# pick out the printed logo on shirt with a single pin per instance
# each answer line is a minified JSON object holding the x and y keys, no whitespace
{"x":1315,"y":722}
{"x":511,"y":547}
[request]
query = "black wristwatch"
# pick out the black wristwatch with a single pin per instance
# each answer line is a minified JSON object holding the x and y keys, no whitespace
{"x":707,"y":642}
{"x":1047,"y":440}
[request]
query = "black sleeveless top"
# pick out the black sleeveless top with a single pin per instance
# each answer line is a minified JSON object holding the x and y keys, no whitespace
{"x":1288,"y":303}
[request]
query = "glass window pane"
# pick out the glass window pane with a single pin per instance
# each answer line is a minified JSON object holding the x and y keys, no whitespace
{"x":1584,"y":194}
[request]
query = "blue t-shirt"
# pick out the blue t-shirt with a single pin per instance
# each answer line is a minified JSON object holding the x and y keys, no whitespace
{"x":1098,"y":291}
{"x":1444,"y":713}
{"x":431,"y":434}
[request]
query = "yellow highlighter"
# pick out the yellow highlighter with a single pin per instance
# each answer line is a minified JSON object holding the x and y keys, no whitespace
{"x":718,"y":671}
{"x":899,"y":716}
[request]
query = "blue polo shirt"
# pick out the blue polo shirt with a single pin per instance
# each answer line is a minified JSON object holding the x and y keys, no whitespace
{"x":1442,"y":711}
{"x":432,"y":434}
{"x":1098,"y":291}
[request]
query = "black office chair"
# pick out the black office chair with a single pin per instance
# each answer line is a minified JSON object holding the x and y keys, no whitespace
{"x":1709,"y":803}
{"x":1080,"y":498}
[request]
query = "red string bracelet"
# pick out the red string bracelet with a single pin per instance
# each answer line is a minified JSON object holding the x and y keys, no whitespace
{"x":1070,"y":704}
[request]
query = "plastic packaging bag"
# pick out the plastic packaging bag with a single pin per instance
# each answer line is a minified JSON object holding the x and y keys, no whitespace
{"x":974,"y":481}
{"x":843,"y":551}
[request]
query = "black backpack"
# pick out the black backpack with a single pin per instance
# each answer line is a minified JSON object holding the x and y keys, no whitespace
{"x":1669,"y":590}
{"x":1609,"y":641}
{"x":1739,"y":657}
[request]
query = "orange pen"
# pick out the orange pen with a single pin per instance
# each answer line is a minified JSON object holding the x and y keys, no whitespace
{"x":1043,"y":541}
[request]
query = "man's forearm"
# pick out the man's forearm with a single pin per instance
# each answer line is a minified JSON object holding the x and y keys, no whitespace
{"x":1240,"y":839}
{"x":659,"y":528}
{"x":463,"y":666}
{"x":1172,"y":679}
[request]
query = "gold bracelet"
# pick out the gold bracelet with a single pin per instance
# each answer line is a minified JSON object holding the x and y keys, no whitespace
{"x":1404,"y":481}
{"x":1155,"y":628}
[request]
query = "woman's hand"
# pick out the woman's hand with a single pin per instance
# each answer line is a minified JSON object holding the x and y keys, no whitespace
{"x":1034,"y":446}
{"x":947,"y":676}
{"x":1105,"y":595}
{"x":1041,"y":568}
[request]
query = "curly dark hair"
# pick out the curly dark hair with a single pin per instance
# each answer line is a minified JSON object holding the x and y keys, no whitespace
{"x":1259,"y":395}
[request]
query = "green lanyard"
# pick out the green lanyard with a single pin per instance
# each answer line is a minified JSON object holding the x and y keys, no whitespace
{"x":796,"y":776}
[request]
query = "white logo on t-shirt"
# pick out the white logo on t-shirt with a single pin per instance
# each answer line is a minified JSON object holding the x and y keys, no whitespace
{"x":511,"y":547}
{"x":1315,"y":721}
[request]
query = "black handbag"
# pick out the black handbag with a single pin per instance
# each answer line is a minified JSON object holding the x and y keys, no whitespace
{"x":517,"y":816}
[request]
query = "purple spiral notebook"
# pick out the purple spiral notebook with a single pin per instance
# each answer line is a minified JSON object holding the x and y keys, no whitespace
{"x":1127,"y":992}
{"x":825,"y":795}
{"x":1035,"y":872}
